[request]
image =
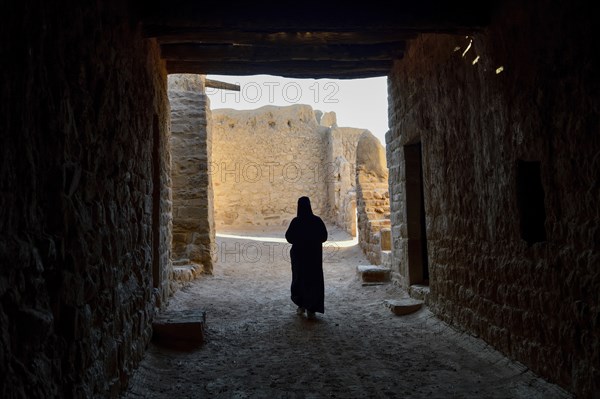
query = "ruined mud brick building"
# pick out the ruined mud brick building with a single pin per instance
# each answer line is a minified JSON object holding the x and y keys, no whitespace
{"x":265,"y":159}
{"x":234,"y":169}
{"x":493,"y":155}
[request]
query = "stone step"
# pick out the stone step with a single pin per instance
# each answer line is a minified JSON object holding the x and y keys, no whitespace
{"x":184,"y":328}
{"x":419,"y":292}
{"x":181,"y":262}
{"x":403,"y":306}
{"x":373,"y":274}
{"x":186,"y":273}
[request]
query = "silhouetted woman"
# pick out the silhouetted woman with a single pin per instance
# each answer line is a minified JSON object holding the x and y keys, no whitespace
{"x":307,"y":233}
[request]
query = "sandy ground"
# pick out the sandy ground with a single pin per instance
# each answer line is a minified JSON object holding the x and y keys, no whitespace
{"x":257,"y":347}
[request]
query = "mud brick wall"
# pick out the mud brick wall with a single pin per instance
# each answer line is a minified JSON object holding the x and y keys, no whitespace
{"x":191,"y":141}
{"x":342,"y":180}
{"x":372,"y":197}
{"x":264,"y":160}
{"x":517,"y":91}
{"x":82,"y":183}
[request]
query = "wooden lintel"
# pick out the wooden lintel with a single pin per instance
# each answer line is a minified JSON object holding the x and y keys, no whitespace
{"x":212,"y":52}
{"x":217,"y":84}
{"x":169,"y":35}
{"x":292,"y":69}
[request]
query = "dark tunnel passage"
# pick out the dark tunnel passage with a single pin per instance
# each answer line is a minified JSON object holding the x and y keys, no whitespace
{"x":503,"y":101}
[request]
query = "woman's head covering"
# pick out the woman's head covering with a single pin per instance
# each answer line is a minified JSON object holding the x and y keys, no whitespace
{"x":304,"y":208}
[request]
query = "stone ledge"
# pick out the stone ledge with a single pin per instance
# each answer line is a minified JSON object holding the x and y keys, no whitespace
{"x":179,"y":328}
{"x":186,"y":273}
{"x":373,"y":274}
{"x":181,"y":262}
{"x":401,"y":307}
{"x":420,"y":292}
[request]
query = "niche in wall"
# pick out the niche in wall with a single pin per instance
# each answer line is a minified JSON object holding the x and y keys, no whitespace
{"x":418,"y":262}
{"x":530,"y":202}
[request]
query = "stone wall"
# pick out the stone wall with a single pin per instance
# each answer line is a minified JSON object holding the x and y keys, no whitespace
{"x":191,"y":139}
{"x":263,"y":161}
{"x":524,"y":89}
{"x":83,"y":173}
{"x":342,"y":184}
{"x":372,"y":196}
{"x":273,"y":155}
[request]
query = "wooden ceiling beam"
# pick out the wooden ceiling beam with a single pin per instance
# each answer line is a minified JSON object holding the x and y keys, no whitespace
{"x":200,"y":52}
{"x":292,"y":69}
{"x":203,"y":36}
{"x":326,"y":39}
{"x":217,"y":84}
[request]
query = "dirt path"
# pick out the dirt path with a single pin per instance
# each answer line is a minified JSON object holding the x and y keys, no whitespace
{"x":257,"y":347}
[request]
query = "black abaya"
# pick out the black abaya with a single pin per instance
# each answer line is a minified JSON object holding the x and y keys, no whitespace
{"x":307,"y":233}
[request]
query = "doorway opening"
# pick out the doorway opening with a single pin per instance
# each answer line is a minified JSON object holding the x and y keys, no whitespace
{"x":530,"y":201}
{"x":239,"y":165}
{"x":418,"y":262}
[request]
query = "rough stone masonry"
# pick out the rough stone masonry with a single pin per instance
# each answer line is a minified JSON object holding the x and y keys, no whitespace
{"x":84,"y":202}
{"x":509,"y":103}
{"x":191,"y":143}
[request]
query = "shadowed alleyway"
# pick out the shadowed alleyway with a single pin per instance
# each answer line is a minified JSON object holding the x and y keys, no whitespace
{"x":257,"y":347}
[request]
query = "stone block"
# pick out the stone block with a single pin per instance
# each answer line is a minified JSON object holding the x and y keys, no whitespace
{"x":420,"y":292}
{"x":186,"y":272}
{"x":401,"y":307}
{"x":192,"y":212}
{"x":373,"y":274}
{"x":180,"y":328}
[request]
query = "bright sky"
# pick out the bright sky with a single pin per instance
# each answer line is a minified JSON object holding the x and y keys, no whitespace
{"x":360,"y":103}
